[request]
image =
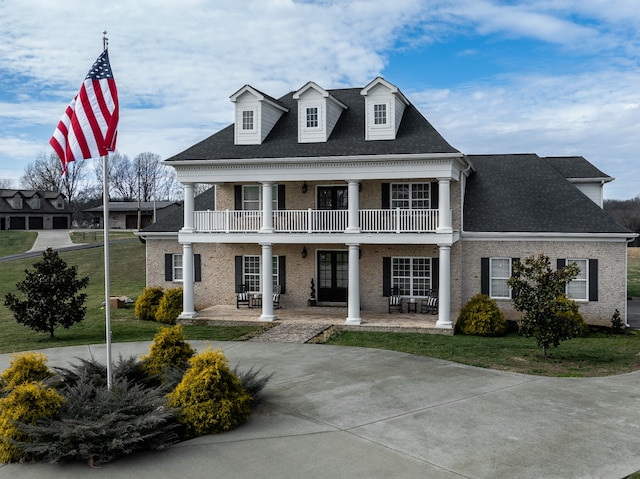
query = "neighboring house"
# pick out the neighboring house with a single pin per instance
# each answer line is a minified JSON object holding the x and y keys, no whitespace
{"x":355,"y":190}
{"x":34,"y":210}
{"x":126,"y":214}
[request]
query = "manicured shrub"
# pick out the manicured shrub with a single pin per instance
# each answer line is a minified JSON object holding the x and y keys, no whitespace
{"x":210,"y":396}
{"x":566,"y":310}
{"x":147,"y":303}
{"x":168,"y":350}
{"x":26,"y":403}
{"x":617,"y":325}
{"x":481,"y":317}
{"x":25,"y":368}
{"x":170,"y":306}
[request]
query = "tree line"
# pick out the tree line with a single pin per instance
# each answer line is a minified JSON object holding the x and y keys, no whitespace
{"x":143,"y":178}
{"x":627,"y":213}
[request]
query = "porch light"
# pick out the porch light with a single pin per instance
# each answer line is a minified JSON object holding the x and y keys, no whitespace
{"x":304,"y":252}
{"x":304,"y":189}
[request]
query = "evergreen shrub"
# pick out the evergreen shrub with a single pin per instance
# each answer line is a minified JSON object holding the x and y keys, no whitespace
{"x":24,"y":368}
{"x":27,"y":403}
{"x":147,"y":303}
{"x":567,"y":310}
{"x":168,"y":350}
{"x":481,"y":317}
{"x":210,"y":396}
{"x":170,"y":306}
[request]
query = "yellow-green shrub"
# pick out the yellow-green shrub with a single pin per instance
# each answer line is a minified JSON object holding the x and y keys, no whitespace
{"x":169,"y":349}
{"x":481,"y":317}
{"x":25,"y":368}
{"x":170,"y":306}
{"x":26,"y":403}
{"x":567,"y":309}
{"x":147,"y":303}
{"x":210,"y":396}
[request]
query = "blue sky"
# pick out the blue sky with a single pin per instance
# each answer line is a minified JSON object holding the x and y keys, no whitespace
{"x":553,"y":77}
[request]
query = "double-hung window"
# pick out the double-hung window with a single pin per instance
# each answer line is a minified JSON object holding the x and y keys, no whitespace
{"x":248,"y":120}
{"x":411,"y":275}
{"x":380,"y":114}
{"x":410,"y":195}
{"x":177,"y":267}
{"x":312,"y":117}
{"x":577,"y":289}
{"x":252,"y":198}
{"x":251,"y":266}
{"x":500,"y":272}
{"x":174,"y":268}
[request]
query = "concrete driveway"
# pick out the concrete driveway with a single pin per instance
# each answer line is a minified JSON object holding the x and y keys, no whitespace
{"x":339,"y":412}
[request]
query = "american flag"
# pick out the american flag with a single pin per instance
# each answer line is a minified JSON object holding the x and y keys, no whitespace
{"x":88,"y":128}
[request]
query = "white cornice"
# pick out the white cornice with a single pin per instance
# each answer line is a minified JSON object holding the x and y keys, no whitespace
{"x":529,"y":236}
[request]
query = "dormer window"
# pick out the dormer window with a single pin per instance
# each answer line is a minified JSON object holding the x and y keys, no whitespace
{"x":247,"y":120}
{"x":312,"y":117}
{"x":380,"y":114}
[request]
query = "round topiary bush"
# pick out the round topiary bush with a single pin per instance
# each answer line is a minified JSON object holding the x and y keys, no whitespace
{"x":566,"y":310}
{"x":210,"y":397}
{"x":170,"y":306}
{"x":169,"y":349}
{"x":481,"y":317}
{"x":147,"y":303}
{"x":25,"y":368}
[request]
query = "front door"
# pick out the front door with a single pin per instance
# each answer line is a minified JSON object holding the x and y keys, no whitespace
{"x":333,"y":276}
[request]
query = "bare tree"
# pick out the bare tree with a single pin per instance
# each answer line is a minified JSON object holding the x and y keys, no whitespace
{"x":156,"y":181}
{"x":6,"y":183}
{"x":45,"y":174}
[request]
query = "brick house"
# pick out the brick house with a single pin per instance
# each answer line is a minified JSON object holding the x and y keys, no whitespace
{"x":355,"y":190}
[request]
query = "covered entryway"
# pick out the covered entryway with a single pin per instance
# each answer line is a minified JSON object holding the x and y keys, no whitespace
{"x":333,"y":276}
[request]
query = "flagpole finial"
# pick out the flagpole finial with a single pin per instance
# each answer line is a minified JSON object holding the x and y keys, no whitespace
{"x":105,"y":40}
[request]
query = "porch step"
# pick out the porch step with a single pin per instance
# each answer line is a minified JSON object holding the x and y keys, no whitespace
{"x":291,"y":332}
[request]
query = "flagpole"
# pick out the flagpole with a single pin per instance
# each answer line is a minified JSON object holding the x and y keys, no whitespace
{"x":107,"y":286}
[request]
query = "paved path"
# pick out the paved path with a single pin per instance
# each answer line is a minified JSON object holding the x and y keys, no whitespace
{"x":55,"y":239}
{"x":340,"y":412}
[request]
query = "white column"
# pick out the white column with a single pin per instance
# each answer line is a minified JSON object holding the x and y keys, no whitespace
{"x":188,"y":208}
{"x":444,"y":292}
{"x":266,"y":281}
{"x":354,"y":206}
{"x":267,"y":207}
{"x":353,"y":313}
{"x":188,"y":309}
{"x":444,"y":206}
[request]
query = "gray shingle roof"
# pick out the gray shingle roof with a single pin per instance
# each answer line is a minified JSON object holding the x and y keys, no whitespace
{"x":576,"y":167}
{"x":524,"y":193}
{"x":174,"y":221}
{"x":415,"y":135}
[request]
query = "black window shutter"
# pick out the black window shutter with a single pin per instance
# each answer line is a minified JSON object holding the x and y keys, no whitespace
{"x":239,"y":275}
{"x":386,"y":196}
{"x":197,"y":274}
{"x":435,"y":273}
{"x":237,"y":195}
{"x":435,"y":188}
{"x":386,"y":276}
{"x":282,"y":273}
{"x":593,"y":280}
{"x":484,"y":276}
{"x":561,"y":263}
{"x":168,"y":267}
{"x":281,"y":205}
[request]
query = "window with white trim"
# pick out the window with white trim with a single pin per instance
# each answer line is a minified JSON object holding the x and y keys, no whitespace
{"x":380,"y":114}
{"x":252,"y":198}
{"x":251,"y":272}
{"x":578,"y":288}
{"x":248,"y":120}
{"x":411,"y":275}
{"x":177,"y":267}
{"x":499,"y":274}
{"x":312,"y":117}
{"x":410,"y":195}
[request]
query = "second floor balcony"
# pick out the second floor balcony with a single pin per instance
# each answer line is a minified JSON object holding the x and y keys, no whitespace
{"x":318,"y":221}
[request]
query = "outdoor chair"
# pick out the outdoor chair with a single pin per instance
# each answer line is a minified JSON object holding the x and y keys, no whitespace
{"x":430,"y":303}
{"x":395,"y":300}
{"x":242,"y":296}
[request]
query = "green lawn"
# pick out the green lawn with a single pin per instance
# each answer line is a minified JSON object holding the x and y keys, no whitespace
{"x":127,"y":279}
{"x":14,"y":242}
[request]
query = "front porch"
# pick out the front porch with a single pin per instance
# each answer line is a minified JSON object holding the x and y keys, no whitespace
{"x":322,"y":316}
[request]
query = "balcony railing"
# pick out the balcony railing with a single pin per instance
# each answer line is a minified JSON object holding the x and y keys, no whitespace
{"x":318,"y":221}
